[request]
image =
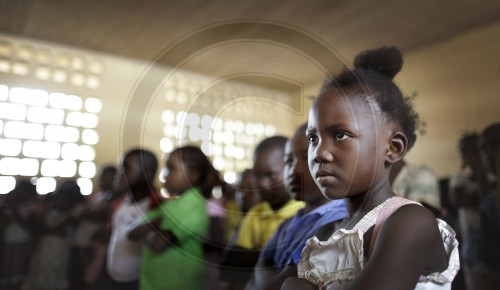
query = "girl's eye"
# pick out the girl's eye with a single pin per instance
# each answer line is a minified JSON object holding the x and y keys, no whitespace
{"x":312,"y":139}
{"x":341,"y":136}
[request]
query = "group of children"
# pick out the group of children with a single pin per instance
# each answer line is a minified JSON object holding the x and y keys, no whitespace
{"x":39,"y":237}
{"x":320,"y":210}
{"x":473,"y":193}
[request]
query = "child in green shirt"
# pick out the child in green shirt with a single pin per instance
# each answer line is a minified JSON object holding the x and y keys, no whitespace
{"x":174,"y":232}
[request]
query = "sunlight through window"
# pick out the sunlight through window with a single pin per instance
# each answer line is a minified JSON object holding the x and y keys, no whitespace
{"x":48,"y":136}
{"x":90,"y":137}
{"x":87,"y":169}
{"x":67,"y":168}
{"x":10,"y":166}
{"x":45,"y":185}
{"x":93,"y":105}
{"x":4,"y":93}
{"x":10,"y":147}
{"x":70,"y":151}
{"x":12,"y":111}
{"x":8,"y":183}
{"x":85,"y":185}
{"x":28,"y":97}
{"x":229,"y":143}
{"x":28,"y":167}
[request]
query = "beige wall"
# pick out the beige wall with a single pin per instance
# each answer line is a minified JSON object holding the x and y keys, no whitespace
{"x":458,"y":86}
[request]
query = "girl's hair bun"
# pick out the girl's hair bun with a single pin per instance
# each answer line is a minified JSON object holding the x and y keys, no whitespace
{"x":387,"y":61}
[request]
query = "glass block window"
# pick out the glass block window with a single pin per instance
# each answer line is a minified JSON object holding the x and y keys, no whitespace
{"x":229,"y":143}
{"x":226,"y":120}
{"x":48,"y":65}
{"x":47,"y":136}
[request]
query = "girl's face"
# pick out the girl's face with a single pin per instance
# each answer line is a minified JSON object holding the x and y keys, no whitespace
{"x":178,"y":178}
{"x":345,"y":154}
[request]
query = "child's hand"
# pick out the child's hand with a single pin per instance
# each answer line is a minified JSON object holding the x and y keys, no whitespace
{"x":294,"y":283}
{"x":156,"y":222}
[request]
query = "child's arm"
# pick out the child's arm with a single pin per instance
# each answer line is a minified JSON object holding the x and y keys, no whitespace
{"x":160,"y":240}
{"x":297,"y":284}
{"x":155,"y":238}
{"x":237,"y":256}
{"x":140,"y":231}
{"x":266,"y":278}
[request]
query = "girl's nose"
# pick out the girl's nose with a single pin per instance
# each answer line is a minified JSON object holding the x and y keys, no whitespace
{"x":323,"y":153}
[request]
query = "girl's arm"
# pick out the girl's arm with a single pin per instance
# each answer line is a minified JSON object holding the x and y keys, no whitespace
{"x":160,"y":240}
{"x":408,"y":245}
{"x":140,"y":231}
{"x":155,"y":238}
{"x":265,"y":277}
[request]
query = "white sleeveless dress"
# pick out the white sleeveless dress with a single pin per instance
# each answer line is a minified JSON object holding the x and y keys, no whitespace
{"x":333,"y":263}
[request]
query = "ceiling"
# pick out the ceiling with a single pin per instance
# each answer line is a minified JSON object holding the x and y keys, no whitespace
{"x":294,"y":39}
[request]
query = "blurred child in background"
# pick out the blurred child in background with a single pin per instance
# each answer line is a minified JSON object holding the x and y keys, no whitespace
{"x":174,"y":233}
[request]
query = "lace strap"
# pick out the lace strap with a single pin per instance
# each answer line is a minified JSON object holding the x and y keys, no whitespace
{"x":390,"y":206}
{"x":369,"y":219}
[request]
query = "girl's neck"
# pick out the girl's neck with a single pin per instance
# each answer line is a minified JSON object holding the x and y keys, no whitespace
{"x":395,"y":170}
{"x":140,"y":193}
{"x":363,"y":203}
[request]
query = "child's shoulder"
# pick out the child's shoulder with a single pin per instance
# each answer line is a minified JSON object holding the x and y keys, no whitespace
{"x":415,"y":227}
{"x":411,"y":224}
{"x":409,"y":215}
{"x":412,"y":210}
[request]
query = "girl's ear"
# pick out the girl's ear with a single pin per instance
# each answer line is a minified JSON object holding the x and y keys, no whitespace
{"x":194,"y":177}
{"x":398,"y":144}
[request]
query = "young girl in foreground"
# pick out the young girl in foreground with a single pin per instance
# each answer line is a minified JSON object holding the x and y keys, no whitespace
{"x":359,"y":126}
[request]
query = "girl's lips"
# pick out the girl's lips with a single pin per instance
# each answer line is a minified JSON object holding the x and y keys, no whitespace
{"x":325,"y":180}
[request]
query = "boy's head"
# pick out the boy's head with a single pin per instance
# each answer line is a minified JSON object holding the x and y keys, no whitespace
{"x":23,"y":192}
{"x":247,"y":192}
{"x":297,"y":177}
{"x":106,"y":177}
{"x":137,"y":170}
{"x":268,"y":170}
{"x":469,"y":149}
{"x":64,"y":199}
{"x":490,"y":147}
{"x":71,"y":186}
